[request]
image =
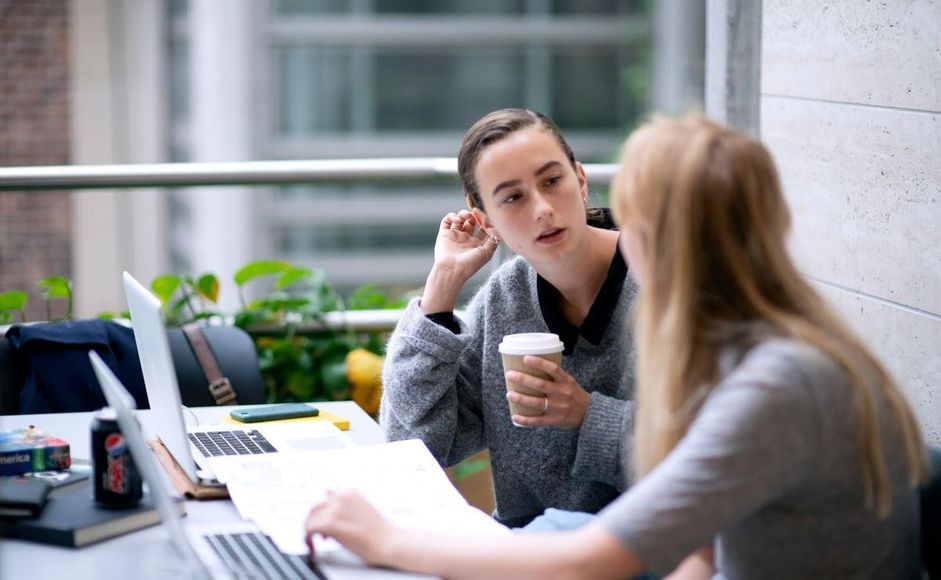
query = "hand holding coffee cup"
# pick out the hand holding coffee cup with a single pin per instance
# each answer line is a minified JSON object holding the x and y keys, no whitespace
{"x":513,"y":349}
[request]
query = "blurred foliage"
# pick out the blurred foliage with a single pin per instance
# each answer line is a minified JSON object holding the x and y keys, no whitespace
{"x":300,"y":359}
{"x":55,"y":289}
{"x":12,"y":302}
{"x":186,"y":299}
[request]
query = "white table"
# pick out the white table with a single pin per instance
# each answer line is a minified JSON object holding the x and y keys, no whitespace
{"x":147,"y":553}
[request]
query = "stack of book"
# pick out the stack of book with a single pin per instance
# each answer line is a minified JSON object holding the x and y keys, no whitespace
{"x":71,"y":518}
{"x":43,"y":498}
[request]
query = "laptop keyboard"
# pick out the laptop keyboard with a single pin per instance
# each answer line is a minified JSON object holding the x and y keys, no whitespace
{"x":236,"y":442}
{"x":253,"y":555}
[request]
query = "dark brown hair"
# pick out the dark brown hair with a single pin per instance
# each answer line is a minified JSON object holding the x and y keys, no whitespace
{"x":494,"y":127}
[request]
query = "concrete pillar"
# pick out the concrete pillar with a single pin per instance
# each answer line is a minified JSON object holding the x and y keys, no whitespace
{"x":678,"y":56}
{"x":116,"y":116}
{"x":733,"y":62}
{"x":222,"y":228}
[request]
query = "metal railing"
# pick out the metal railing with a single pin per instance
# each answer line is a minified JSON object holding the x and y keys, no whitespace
{"x":65,"y":177}
{"x":69,"y":177}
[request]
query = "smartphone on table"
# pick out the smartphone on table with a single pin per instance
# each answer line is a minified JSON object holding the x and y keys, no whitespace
{"x":274,"y":412}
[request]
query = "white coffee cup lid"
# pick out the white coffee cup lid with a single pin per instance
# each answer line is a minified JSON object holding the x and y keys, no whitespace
{"x":531,"y":343}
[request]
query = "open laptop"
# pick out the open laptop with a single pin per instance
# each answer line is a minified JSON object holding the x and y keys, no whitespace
{"x":206,"y":453}
{"x":235,"y":550}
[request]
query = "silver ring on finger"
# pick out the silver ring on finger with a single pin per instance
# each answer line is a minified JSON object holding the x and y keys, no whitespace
{"x":545,"y":403}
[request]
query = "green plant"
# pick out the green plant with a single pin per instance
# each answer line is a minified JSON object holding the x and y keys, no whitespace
{"x":185,"y":298}
{"x":298,"y":294}
{"x":10,"y":302}
{"x":52,"y":289}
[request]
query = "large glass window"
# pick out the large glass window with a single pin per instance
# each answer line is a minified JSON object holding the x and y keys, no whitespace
{"x":313,"y":90}
{"x":405,"y":78}
{"x":412,"y":89}
{"x":384,"y":7}
{"x":483,"y":7}
{"x":415,"y":90}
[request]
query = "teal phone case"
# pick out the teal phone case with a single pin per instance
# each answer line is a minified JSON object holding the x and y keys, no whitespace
{"x":274,"y":413}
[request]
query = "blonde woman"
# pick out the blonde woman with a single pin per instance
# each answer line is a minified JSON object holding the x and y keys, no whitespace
{"x":765,"y":428}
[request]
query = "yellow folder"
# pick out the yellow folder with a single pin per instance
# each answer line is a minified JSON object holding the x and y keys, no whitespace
{"x":342,"y":423}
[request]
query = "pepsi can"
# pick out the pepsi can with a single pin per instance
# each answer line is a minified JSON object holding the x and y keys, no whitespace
{"x":117,"y":480}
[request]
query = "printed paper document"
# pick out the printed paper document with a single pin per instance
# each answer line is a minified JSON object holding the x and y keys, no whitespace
{"x":401,"y":479}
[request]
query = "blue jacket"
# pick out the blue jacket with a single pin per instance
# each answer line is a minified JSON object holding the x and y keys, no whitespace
{"x":59,"y":376}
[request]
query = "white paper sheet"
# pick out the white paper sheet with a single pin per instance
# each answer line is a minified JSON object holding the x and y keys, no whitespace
{"x":401,"y":479}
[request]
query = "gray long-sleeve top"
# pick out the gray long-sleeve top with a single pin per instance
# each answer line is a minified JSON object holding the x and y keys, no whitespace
{"x":448,"y":390}
{"x":770,"y":469}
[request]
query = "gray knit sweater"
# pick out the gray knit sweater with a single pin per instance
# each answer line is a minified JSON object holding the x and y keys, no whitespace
{"x":770,"y":469}
{"x":448,"y":390}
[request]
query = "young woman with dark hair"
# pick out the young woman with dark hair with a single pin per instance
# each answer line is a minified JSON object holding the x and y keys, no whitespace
{"x":443,"y":378}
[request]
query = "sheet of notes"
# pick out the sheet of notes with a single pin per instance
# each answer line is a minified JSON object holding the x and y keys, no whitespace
{"x":401,"y":479}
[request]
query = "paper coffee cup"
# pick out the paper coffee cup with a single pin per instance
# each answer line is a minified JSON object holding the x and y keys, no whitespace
{"x":513,"y":348}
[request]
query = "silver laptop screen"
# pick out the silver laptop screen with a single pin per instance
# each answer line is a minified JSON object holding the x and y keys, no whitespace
{"x":163,"y":392}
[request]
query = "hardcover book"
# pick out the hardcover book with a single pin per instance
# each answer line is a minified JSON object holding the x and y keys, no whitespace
{"x":73,"y":519}
{"x":31,"y":449}
{"x":57,"y":478}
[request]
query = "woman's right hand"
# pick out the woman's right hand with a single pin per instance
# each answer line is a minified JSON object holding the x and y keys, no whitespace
{"x":461,"y":250}
{"x":349,"y":519}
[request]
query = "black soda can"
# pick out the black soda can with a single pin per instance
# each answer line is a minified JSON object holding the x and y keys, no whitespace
{"x":117,"y":480}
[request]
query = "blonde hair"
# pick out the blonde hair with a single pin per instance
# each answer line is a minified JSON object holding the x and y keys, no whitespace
{"x":705,"y":203}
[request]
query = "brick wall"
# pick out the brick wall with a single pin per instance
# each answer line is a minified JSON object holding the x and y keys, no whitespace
{"x":35,"y":227}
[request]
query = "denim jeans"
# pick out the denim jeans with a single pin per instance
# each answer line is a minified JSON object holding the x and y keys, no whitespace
{"x":553,"y":520}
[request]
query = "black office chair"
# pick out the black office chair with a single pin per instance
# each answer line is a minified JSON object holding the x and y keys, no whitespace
{"x":931,"y":518}
{"x":12,"y":377}
{"x":232,"y":347}
{"x":235,"y":353}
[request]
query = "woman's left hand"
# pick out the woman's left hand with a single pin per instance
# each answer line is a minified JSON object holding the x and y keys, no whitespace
{"x":348,"y":518}
{"x":565,"y":404}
